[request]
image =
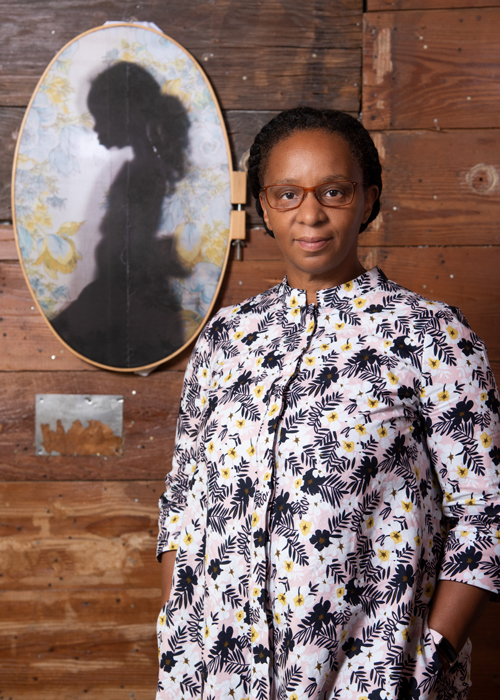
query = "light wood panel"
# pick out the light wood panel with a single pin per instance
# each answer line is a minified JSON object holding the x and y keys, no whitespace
{"x":431,"y":69}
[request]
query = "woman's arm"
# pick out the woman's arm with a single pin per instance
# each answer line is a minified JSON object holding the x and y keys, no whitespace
{"x":455,"y":609}
{"x":167,"y":572}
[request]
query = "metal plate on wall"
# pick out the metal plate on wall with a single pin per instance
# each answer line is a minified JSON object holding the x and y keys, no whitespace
{"x":79,"y":424}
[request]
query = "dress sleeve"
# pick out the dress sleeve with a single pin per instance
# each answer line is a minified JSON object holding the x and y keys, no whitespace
{"x":194,"y":397}
{"x":460,"y":407}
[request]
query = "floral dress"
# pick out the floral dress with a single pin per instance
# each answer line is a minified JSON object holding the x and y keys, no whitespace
{"x":332,"y":462}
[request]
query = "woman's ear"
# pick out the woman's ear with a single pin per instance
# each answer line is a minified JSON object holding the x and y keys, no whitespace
{"x":371,"y":194}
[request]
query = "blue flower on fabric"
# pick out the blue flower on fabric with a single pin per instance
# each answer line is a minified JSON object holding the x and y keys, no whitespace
{"x":352,"y":647}
{"x":168,"y":661}
{"x":468,"y":560}
{"x":320,"y":539}
{"x":261,"y":654}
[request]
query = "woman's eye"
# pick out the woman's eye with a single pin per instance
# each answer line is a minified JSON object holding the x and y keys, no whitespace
{"x":332,"y":194}
{"x":288,"y":195}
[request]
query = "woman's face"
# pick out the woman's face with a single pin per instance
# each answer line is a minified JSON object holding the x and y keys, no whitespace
{"x":319,"y":243}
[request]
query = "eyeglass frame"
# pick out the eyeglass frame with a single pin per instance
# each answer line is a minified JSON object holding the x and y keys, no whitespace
{"x":311,"y":189}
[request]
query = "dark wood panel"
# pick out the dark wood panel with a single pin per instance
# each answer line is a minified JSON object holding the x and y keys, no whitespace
{"x":10,"y":121}
{"x":440,"y":187}
{"x":79,"y":534}
{"x":376,"y":5}
{"x":431,"y":69}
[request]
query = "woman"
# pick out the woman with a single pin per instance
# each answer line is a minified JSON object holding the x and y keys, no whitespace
{"x":334,"y":459}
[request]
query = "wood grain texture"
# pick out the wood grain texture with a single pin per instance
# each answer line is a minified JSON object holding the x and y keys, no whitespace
{"x":293,"y":52}
{"x":377,"y":5}
{"x":431,"y":69}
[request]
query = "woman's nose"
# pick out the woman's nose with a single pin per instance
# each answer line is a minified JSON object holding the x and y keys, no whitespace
{"x":311,"y":211}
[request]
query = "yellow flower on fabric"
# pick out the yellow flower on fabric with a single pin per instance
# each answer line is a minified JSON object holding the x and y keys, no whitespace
{"x":434,"y":362}
{"x":258,"y":391}
{"x":267,"y":476}
{"x":295,"y":312}
{"x":340,"y":592}
{"x":429,"y":589}
{"x":203,"y":401}
{"x":392,"y":378}
{"x":238,"y":335}
{"x":452,"y":332}
{"x":240,"y":615}
{"x":464,"y":533}
{"x":211,"y":446}
{"x":422,"y":393}
{"x":406,"y":634}
{"x":348,"y":446}
{"x":240,"y":422}
{"x":484,"y":396}
{"x":288,"y":565}
{"x":310,"y":327}
{"x":396,"y":537}
{"x":462,"y":471}
{"x":324,"y":347}
{"x":174,"y":519}
{"x":339,"y":326}
{"x":372,"y":403}
{"x":294,"y":302}
{"x":188,"y":538}
{"x":431,"y":542}
{"x":204,"y":373}
{"x":298,"y":482}
{"x":293,"y":696}
{"x":299,"y":600}
{"x":343,"y":636}
{"x":418,"y":540}
{"x":274,"y":410}
{"x":383,"y":554}
{"x":419,"y":650}
{"x":470,"y":501}
{"x":259,"y":361}
{"x":382,"y":431}
{"x":310,"y":361}
{"x":332,"y":416}
{"x":225,"y":472}
{"x":173,"y":546}
{"x":348,"y":286}
{"x":251,"y":451}
{"x":229,"y":376}
{"x":305,"y":526}
{"x":255,"y":519}
{"x":256,"y":592}
{"x":232,"y":453}
{"x":443,"y":395}
{"x":497,"y":536}
{"x":277,"y":618}
{"x":360,"y":429}
{"x":254,"y":635}
{"x":58,"y":252}
{"x":359,"y":303}
{"x":346,"y":346}
{"x":282,"y":598}
{"x":162,"y":619}
{"x":486,"y":439}
{"x":407,"y":506}
{"x":448,"y":496}
{"x":387,"y":343}
{"x":370,"y":522}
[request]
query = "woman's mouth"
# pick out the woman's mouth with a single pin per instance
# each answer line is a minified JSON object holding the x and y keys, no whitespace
{"x":312,"y":243}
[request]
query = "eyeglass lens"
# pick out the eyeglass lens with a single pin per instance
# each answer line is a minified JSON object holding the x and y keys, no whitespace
{"x":332,"y":194}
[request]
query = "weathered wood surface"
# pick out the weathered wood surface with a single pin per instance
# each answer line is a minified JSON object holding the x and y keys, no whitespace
{"x":266,"y":55}
{"x":431,"y":69}
{"x":377,"y":5}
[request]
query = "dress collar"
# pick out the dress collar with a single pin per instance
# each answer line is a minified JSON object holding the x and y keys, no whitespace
{"x":367,"y":282}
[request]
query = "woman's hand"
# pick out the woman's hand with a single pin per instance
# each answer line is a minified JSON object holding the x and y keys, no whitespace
{"x":167,"y":572}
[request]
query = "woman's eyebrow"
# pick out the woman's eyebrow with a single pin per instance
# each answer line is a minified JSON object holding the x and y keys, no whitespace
{"x":328,"y":178}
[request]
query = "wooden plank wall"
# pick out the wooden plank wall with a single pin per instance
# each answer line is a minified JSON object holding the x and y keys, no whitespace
{"x":431,"y":70}
{"x":79,"y":586}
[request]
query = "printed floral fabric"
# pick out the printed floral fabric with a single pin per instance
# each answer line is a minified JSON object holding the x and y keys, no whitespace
{"x":332,"y":462}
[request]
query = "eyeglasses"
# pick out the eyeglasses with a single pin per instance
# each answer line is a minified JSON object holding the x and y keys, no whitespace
{"x":331,"y":194}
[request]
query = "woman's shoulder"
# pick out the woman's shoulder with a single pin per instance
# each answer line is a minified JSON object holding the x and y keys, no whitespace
{"x":255,"y":305}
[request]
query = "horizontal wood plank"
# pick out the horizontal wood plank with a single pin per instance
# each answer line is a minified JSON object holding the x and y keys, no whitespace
{"x":431,"y":69}
{"x":377,"y":5}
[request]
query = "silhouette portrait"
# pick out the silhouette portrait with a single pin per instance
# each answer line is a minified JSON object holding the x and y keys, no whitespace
{"x":129,"y":315}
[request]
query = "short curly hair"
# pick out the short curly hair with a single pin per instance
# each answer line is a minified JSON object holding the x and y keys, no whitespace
{"x":307,"y":119}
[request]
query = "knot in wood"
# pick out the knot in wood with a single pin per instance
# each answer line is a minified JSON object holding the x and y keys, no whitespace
{"x":482,"y":178}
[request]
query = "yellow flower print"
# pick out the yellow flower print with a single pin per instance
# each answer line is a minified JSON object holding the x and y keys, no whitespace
{"x":360,"y":429}
{"x":339,"y":326}
{"x":462,"y":471}
{"x":484,"y":396}
{"x":310,"y":327}
{"x":417,"y":471}
{"x":396,"y":537}
{"x":174,"y":519}
{"x":258,"y":391}
{"x":407,"y":506}
{"x":254,"y":635}
{"x":418,"y":540}
{"x":387,"y":343}
{"x":255,"y":519}
{"x":240,"y":422}
{"x":232,"y":453}
{"x":203,"y":401}
{"x":188,"y":538}
{"x":383,"y":554}
{"x":305,"y":526}
{"x":434,"y":362}
{"x":392,"y":378}
{"x":448,"y":496}
{"x":497,"y":536}
{"x":470,"y":501}
{"x":343,"y":636}
{"x":431,"y":542}
{"x":372,"y":403}
{"x":267,"y":476}
{"x":293,"y":696}
{"x":443,"y":395}
{"x":464,"y":533}
{"x":406,"y":634}
{"x":162,"y":619}
{"x":310,"y":361}
{"x":347,"y":346}
{"x":259,"y":361}
{"x":240,"y":615}
{"x":340,"y":592}
{"x":256,"y":592}
{"x":274,"y":410}
{"x":298,"y":482}
{"x":370,"y":522}
{"x":486,"y":440}
{"x":211,"y":446}
{"x":225,"y":472}
{"x":288,"y":565}
{"x":299,"y":600}
{"x":324,"y":347}
{"x":422,"y":393}
{"x":295,"y":312}
{"x":294,"y":302}
{"x":58,"y":252}
{"x":282,"y":598}
{"x":251,"y":451}
{"x":452,"y":332}
{"x":429,"y":589}
{"x":277,"y":618}
{"x":348,"y":446}
{"x":419,"y":650}
{"x":332,"y":416}
{"x":204,"y":373}
{"x":238,"y":335}
{"x":382,"y":431}
{"x":359,"y":303}
{"x":173,"y":546}
{"x":229,"y":376}
{"x":348,"y":286}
